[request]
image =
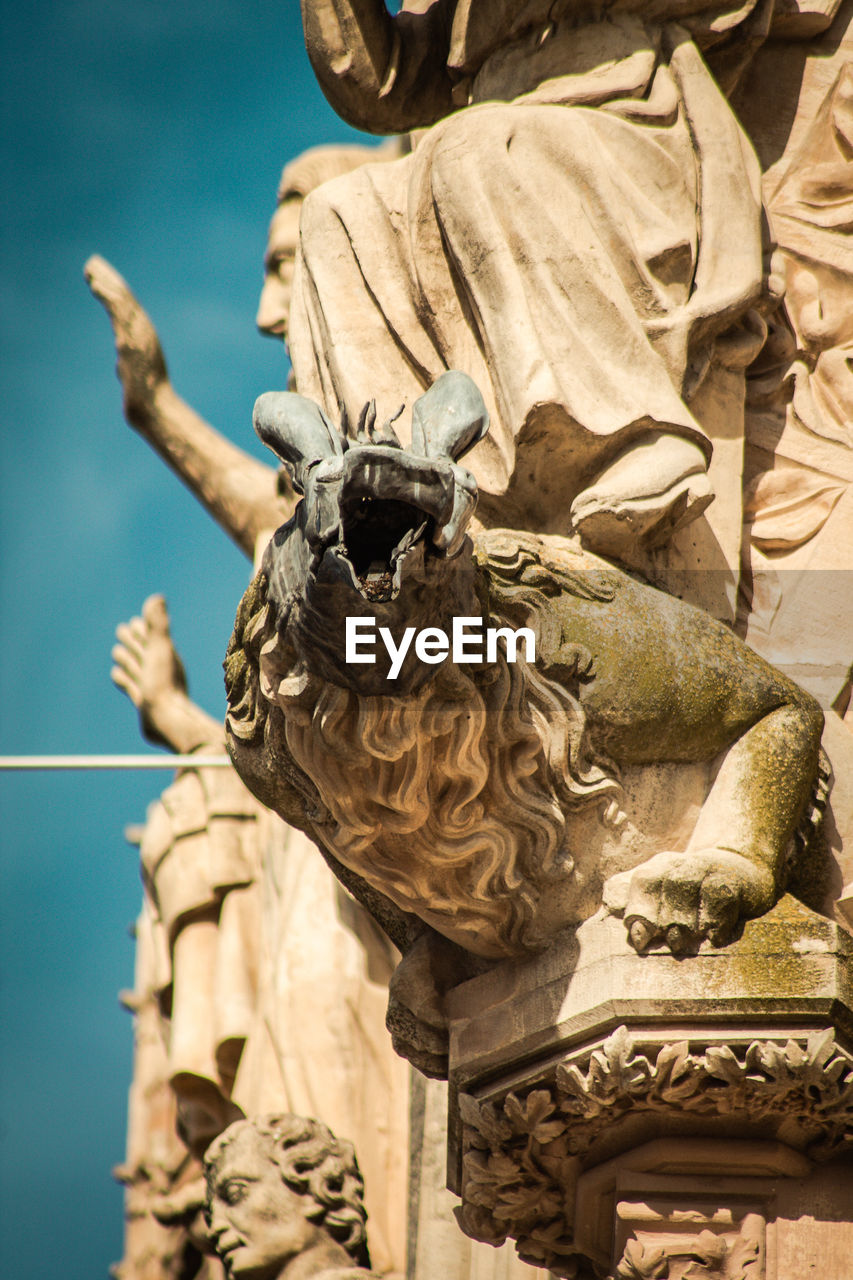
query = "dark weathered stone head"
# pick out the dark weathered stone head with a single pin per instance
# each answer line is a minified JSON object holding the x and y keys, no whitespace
{"x":374,"y":517}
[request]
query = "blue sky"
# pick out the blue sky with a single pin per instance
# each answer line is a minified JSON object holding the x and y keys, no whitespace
{"x":151,"y":133}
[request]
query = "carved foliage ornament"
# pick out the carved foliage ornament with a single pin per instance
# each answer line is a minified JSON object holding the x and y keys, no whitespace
{"x":522,"y":1154}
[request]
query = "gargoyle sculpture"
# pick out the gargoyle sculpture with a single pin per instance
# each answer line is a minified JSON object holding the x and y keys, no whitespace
{"x":501,"y":799}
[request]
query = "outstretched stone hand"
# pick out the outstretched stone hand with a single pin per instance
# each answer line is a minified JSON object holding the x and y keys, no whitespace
{"x":243,"y":496}
{"x":141,"y":364}
{"x":148,"y":669}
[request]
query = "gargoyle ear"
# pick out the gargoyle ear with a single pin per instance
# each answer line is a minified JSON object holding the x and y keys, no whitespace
{"x":297,"y":431}
{"x":450,"y":418}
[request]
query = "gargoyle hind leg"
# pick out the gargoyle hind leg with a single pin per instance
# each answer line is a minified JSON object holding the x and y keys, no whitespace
{"x":734,"y":867}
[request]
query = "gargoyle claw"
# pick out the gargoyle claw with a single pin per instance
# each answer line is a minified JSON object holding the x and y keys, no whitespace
{"x":680,"y":899}
{"x":641,"y":933}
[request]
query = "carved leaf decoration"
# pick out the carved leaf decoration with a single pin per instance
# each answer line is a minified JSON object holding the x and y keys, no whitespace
{"x":611,"y":1070}
{"x":529,"y":1202}
{"x":600,"y":1082}
{"x":579,"y":1098}
{"x":782,"y":1065}
{"x":796,"y":1056}
{"x":708,"y":1257}
{"x":722,"y":1063}
{"x":537,"y":1140}
{"x":615,"y":1054}
{"x":820,"y":1046}
{"x":619,"y":1045}
{"x":531,"y":1115}
{"x":825,"y":1069}
{"x":485,"y":1120}
{"x":710,"y":1249}
{"x":677,"y":1074}
{"x":812,"y":1068}
{"x":714,"y":1257}
{"x":628,"y":1072}
{"x":556,"y":1160}
{"x":672,"y":1061}
{"x":814,"y":1083}
{"x":486,"y":1177}
{"x":546,"y":1243}
{"x":636,"y":1076}
{"x":742,"y":1257}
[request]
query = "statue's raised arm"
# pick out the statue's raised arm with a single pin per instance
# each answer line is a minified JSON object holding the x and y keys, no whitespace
{"x":240,"y":493}
{"x":381,"y":73}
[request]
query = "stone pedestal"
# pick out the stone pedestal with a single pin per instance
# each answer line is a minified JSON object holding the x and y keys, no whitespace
{"x":650,"y":1118}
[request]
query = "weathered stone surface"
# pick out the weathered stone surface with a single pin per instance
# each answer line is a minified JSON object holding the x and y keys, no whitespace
{"x":165,"y":1236}
{"x":285,"y":947}
{"x":564,"y":1066}
{"x":437,"y":1248}
{"x":200,"y":869}
{"x":548,"y":754}
{"x":318,"y":1041}
{"x":798,"y":472}
{"x":590,"y":355}
{"x":789,"y":959}
{"x":578,"y":227}
{"x":721,"y":1211}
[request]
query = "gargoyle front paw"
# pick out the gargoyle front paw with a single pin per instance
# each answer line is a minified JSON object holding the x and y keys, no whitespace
{"x":678,"y":899}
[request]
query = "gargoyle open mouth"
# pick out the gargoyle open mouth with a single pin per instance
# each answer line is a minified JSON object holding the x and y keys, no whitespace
{"x":377,"y":533}
{"x":368,"y":502}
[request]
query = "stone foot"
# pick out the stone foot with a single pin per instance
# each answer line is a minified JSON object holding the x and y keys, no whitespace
{"x":644,"y":497}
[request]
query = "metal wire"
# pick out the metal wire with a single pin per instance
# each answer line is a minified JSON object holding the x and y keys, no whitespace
{"x":115,"y":762}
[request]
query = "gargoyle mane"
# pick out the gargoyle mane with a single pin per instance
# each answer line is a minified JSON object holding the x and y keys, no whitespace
{"x":455,"y":794}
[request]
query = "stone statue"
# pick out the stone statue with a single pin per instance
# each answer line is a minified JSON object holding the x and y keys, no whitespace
{"x":245,"y":498}
{"x":285,"y":1201}
{"x":200,"y":864}
{"x":298,"y":179}
{"x":165,"y":1236}
{"x":241,"y":494}
{"x":477,"y":797}
{"x":567,"y":797}
{"x":149,"y":670}
{"x":578,"y":229}
{"x":315,"y":961}
{"x":235,"y":905}
{"x":799,"y":496}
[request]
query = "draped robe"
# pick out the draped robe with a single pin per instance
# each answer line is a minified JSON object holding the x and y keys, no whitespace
{"x":582,"y":237}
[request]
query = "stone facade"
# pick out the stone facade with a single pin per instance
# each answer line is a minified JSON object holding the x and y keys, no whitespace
{"x":572,"y":367}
